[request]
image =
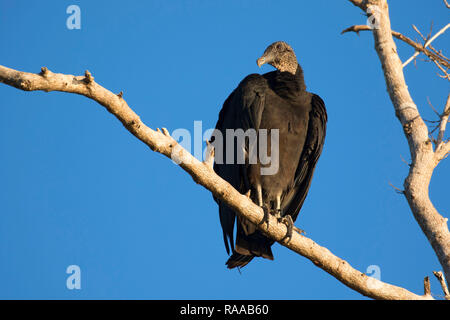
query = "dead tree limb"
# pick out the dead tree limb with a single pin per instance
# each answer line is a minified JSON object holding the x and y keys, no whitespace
{"x":417,"y":46}
{"x":424,"y":158}
{"x":426,"y":44}
{"x":203,"y":174}
{"x":440,"y":277}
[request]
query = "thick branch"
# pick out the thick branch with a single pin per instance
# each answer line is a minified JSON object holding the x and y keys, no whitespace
{"x":424,"y":160}
{"x":426,"y":286}
{"x":203,"y":174}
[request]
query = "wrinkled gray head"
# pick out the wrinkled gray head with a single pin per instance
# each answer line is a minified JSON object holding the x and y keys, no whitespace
{"x":281,"y":56}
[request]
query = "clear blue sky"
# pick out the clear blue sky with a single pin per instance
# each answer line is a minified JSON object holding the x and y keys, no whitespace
{"x":77,"y":188}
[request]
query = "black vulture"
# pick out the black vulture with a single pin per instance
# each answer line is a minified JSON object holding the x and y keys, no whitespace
{"x":274,"y":100}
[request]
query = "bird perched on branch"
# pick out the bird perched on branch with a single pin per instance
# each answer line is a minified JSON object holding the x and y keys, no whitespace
{"x":294,"y":122}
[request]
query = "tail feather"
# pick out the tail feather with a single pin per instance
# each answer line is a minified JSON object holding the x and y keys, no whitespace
{"x":246,"y":249}
{"x":238,"y":260}
{"x":254,"y":245}
{"x":249,"y":246}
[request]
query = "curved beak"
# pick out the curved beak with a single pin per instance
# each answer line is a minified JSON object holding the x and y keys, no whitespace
{"x":261,"y":61}
{"x":267,"y":57}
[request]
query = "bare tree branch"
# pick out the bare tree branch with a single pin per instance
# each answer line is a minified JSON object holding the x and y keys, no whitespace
{"x":441,"y":280}
{"x":360,"y":3}
{"x":424,"y":159}
{"x":203,"y":174}
{"x":427,"y":43}
{"x":426,"y":286}
{"x":427,"y":38}
{"x":443,"y":152}
{"x":447,"y":4}
{"x":417,"y":46}
{"x":443,"y":123}
{"x":445,"y":74}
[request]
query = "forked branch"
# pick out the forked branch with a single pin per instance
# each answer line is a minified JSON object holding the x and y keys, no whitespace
{"x":424,"y":158}
{"x":417,"y":46}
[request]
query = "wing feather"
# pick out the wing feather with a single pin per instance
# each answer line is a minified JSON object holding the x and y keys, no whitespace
{"x":308,"y":159}
{"x":242,"y":110}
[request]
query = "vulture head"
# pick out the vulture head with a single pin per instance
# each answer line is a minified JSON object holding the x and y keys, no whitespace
{"x":281,"y":56}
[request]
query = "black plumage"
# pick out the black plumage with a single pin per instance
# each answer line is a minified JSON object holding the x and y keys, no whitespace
{"x":275,"y":100}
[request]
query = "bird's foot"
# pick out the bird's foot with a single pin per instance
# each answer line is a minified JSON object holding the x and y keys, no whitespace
{"x":265,"y":219}
{"x":289,"y":226}
{"x":287,"y":220}
{"x":278,"y":214}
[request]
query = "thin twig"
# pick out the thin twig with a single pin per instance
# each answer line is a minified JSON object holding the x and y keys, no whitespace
{"x":417,"y":46}
{"x":439,"y":53}
{"x":432,"y":107}
{"x":398,"y":190}
{"x":447,"y":4}
{"x":427,"y":43}
{"x":426,"y":286}
{"x":443,"y":123}
{"x":440,"y":276}
{"x":445,"y":75}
